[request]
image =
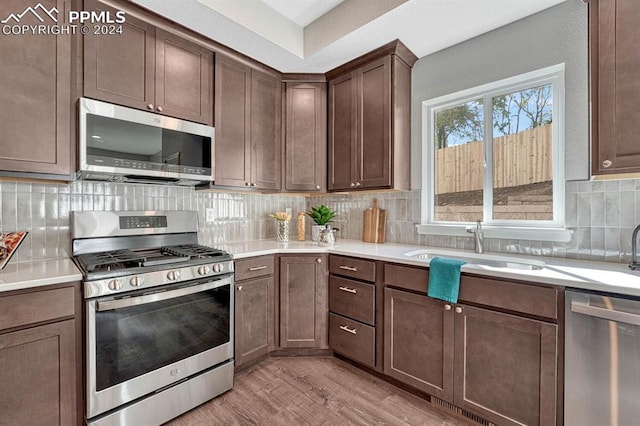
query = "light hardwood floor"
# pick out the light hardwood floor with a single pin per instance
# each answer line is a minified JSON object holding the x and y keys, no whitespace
{"x":313,"y":391}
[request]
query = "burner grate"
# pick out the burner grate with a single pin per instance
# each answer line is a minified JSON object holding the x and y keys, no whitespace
{"x":193,"y":251}
{"x":110,"y":260}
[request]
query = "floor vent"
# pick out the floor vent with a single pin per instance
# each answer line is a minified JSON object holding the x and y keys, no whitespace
{"x":438,"y":403}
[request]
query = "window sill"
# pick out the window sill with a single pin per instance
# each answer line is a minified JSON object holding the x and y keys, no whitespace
{"x":562,"y":235}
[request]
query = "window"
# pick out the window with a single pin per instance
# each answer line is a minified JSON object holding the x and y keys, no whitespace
{"x":495,"y":153}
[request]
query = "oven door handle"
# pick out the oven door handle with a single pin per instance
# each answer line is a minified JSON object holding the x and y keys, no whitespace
{"x":107,"y":305}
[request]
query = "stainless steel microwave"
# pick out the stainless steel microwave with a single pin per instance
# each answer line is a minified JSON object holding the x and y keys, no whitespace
{"x":122,"y":144}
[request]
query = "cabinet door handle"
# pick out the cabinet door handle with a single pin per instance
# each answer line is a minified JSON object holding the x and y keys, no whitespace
{"x":257,"y":268}
{"x":246,"y":184}
{"x":348,"y":330}
{"x":607,"y":163}
{"x":253,"y":184}
{"x":458,"y":310}
{"x":318,"y":187}
{"x":150,"y":106}
{"x":348,"y":268}
{"x":319,"y":260}
{"x":358,"y":184}
{"x":348,"y":290}
{"x":239,"y":288}
{"x":447,"y":307}
{"x":352,"y":184}
{"x":160,"y":109}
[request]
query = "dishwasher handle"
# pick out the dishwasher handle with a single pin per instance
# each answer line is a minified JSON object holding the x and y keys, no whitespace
{"x":607,"y":314}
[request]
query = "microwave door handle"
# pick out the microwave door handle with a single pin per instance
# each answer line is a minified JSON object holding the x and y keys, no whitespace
{"x":107,"y":305}
{"x":607,"y":314}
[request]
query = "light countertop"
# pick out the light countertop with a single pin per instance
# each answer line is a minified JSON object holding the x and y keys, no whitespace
{"x":22,"y":275}
{"x":598,"y":276}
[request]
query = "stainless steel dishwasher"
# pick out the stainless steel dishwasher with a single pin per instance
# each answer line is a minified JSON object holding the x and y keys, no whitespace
{"x":602,"y":360}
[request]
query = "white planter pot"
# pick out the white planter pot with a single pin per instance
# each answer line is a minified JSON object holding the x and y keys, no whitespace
{"x":315,"y":231}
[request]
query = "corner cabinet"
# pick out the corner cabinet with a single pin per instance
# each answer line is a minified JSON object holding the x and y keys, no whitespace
{"x":36,"y":107}
{"x":248,"y":126}
{"x":369,"y":139}
{"x":305,"y":151}
{"x":495,"y":354}
{"x":304,"y":302}
{"x":149,"y":69}
{"x":615,"y":87}
{"x":40,"y":354}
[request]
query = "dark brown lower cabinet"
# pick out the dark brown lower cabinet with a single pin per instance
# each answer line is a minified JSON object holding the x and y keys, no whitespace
{"x":41,"y":356}
{"x":418,"y":348}
{"x":505,"y":367}
{"x":303,"y":302}
{"x":254,"y":316}
{"x":38,"y":375}
{"x":498,"y":366}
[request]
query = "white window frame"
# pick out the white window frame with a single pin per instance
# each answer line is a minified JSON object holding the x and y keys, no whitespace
{"x":551,"y":230}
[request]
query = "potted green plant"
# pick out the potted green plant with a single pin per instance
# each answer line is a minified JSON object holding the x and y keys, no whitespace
{"x":321,"y":215}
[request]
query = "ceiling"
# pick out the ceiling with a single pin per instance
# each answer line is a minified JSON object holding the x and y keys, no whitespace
{"x":318,"y":35}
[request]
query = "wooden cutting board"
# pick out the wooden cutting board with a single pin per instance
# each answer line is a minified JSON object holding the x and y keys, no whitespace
{"x":374,"y":224}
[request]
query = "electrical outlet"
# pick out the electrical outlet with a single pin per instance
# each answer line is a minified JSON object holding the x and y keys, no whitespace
{"x":210,"y":215}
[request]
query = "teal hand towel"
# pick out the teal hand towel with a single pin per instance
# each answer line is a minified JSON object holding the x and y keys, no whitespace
{"x":444,"y":278}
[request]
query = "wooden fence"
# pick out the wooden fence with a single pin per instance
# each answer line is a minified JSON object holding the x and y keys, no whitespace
{"x":519,"y":159}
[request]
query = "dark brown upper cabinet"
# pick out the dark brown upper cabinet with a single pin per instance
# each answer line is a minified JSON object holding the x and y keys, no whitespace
{"x":305,"y":149}
{"x":369,"y":139}
{"x":35,"y":98}
{"x":150,"y":69}
{"x":248,"y":126}
{"x":615,"y":87}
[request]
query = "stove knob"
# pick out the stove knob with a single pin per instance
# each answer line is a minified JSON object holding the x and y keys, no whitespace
{"x":115,"y":285}
{"x":136,"y":281}
{"x":217,"y":268}
{"x":173,"y":275}
{"x":203,"y":270}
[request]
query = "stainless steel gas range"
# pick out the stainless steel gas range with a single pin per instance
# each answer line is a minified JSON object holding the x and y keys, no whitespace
{"x":159,"y":315}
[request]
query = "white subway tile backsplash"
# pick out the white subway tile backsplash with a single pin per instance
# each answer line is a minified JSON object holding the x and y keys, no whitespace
{"x":601,"y":214}
{"x":597,"y":209}
{"x":612,"y":208}
{"x":628,"y":209}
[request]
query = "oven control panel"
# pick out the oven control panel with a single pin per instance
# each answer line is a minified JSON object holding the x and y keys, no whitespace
{"x":141,"y":222}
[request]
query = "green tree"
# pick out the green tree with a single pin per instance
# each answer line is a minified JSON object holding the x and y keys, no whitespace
{"x":523,"y":110}
{"x":461,"y":121}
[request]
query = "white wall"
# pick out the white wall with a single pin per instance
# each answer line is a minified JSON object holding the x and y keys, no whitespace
{"x":553,"y":36}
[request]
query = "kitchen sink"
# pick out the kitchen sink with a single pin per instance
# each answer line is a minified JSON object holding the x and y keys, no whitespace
{"x":482,"y":260}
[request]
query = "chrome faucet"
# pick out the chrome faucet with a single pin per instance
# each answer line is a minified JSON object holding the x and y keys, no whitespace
{"x":634,"y":249}
{"x":479,"y":234}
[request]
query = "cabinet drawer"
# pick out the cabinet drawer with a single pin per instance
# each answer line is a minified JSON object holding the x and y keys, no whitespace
{"x":352,"y":339}
{"x":528,"y":299}
{"x":29,"y":308}
{"x":352,"y":267}
{"x":406,"y":277}
{"x":253,"y":267}
{"x":352,"y":299}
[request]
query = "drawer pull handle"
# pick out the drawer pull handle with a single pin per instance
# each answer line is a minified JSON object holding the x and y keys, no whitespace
{"x":257,"y":268}
{"x":348,"y":290}
{"x":349,"y":268}
{"x":348,"y":330}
